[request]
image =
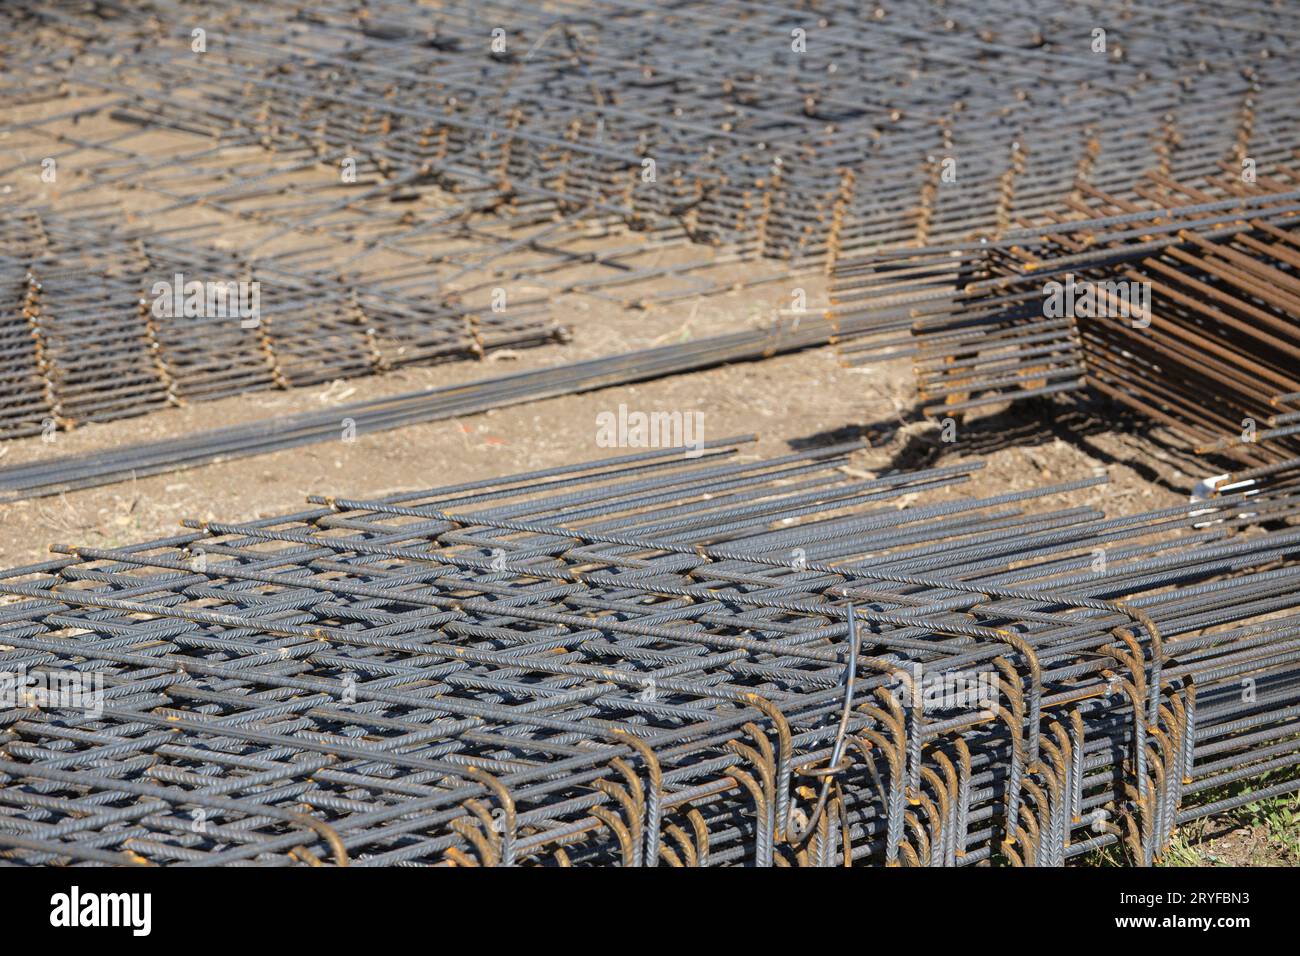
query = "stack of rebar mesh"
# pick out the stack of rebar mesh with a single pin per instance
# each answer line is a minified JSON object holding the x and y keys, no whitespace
{"x":103,"y":324}
{"x":797,"y":134}
{"x":654,"y":659}
{"x":650,"y":660}
{"x":1179,"y":302}
{"x":458,"y":152}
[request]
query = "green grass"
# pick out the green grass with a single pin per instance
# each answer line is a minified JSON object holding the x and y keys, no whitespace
{"x":1274,"y":824}
{"x":1273,"y":821}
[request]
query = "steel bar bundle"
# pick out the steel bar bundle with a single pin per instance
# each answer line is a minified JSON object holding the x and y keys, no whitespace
{"x":1211,"y":353}
{"x":1223,"y":348}
{"x":49,"y":477}
{"x":656,"y":660}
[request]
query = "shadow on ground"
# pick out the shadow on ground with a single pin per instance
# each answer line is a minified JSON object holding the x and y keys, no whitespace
{"x":1087,"y":422}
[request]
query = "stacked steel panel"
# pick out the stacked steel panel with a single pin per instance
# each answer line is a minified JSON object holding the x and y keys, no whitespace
{"x":1213,"y":358}
{"x":1224,"y":341}
{"x":86,"y":342}
{"x":799,"y":135}
{"x":24,"y":387}
{"x":652,"y":660}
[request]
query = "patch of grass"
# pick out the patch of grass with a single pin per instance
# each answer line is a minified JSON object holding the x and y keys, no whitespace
{"x":1263,"y":833}
{"x":1279,"y":818}
{"x":1271,"y":825}
{"x":1186,"y":849}
{"x":1105,"y":856}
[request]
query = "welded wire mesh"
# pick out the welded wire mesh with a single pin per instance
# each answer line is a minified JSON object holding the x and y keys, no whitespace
{"x":644,"y":661}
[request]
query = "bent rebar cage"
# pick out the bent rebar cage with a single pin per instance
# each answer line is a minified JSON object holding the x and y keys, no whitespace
{"x":642,"y":661}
